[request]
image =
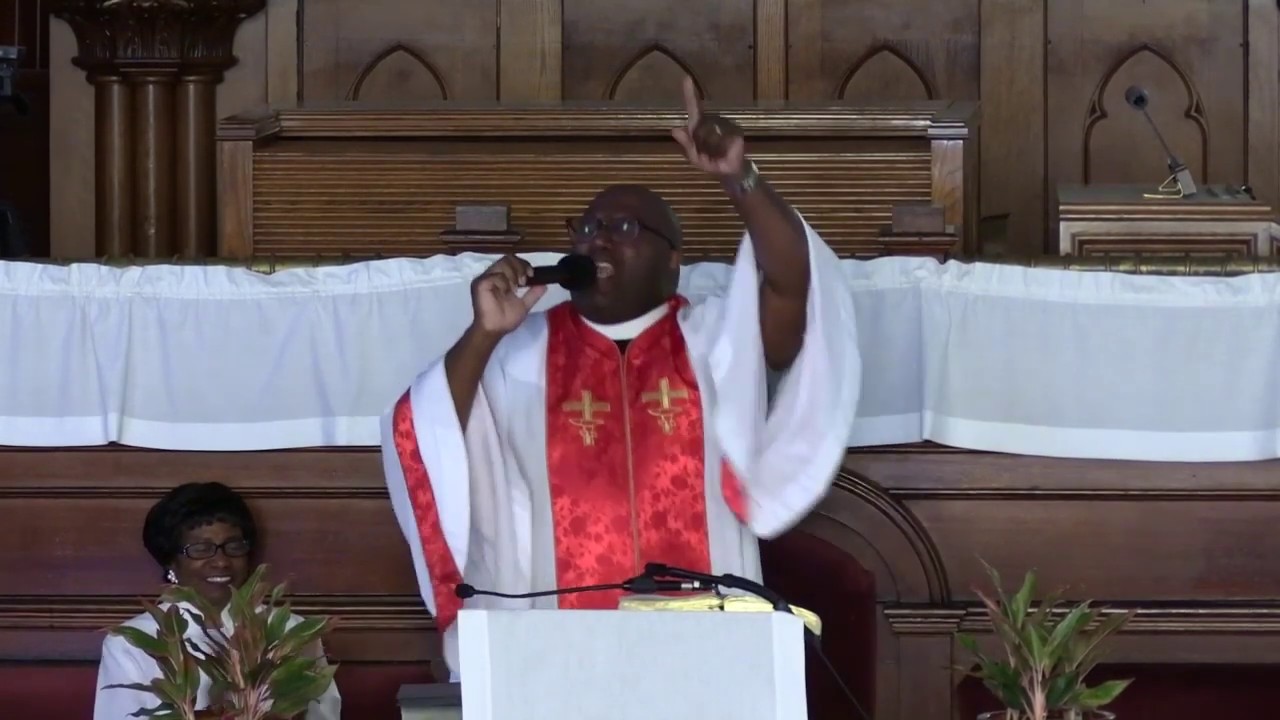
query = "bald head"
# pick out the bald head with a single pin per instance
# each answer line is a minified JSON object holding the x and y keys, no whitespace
{"x":642,"y":203}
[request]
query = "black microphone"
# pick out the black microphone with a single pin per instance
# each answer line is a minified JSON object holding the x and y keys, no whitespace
{"x":1138,"y":99}
{"x":641,"y":585}
{"x":573,"y":273}
{"x":780,"y":604}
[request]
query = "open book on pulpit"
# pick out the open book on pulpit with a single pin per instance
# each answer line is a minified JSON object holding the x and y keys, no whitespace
{"x":713,"y":602}
{"x":612,"y":665}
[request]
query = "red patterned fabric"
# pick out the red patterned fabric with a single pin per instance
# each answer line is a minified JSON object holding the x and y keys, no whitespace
{"x":625,"y":455}
{"x":445,"y":575}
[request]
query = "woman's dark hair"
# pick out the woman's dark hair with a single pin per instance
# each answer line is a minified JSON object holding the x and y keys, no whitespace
{"x":191,"y":506}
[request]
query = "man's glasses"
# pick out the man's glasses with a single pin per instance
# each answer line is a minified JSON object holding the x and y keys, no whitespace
{"x":206,"y":550}
{"x":621,"y":229}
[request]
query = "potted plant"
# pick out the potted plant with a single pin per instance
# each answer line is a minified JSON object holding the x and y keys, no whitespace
{"x":266,"y":668}
{"x":1048,"y":653}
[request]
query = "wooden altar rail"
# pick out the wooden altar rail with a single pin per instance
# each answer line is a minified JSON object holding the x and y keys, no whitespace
{"x":307,"y":181}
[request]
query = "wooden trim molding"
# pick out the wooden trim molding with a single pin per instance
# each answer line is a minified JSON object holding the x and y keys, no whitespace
{"x":935,"y":119}
{"x":1179,"y":618}
{"x":771,"y":34}
{"x":90,"y":612}
{"x":530,"y":50}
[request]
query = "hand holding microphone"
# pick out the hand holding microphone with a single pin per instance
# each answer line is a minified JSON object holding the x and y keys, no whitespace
{"x":497,"y":302}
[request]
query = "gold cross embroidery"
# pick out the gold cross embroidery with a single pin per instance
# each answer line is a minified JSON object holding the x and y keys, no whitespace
{"x":586,"y":422}
{"x":665,"y":410}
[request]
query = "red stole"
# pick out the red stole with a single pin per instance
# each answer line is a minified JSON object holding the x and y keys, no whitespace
{"x":625,"y":455}
{"x":444,"y":570}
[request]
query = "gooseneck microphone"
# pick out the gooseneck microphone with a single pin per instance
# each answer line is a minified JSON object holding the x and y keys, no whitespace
{"x":1138,"y":99}
{"x":641,"y":585}
{"x":779,"y":603}
{"x":573,"y":273}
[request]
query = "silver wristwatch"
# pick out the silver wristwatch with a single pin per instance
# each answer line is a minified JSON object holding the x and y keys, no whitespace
{"x":750,"y":179}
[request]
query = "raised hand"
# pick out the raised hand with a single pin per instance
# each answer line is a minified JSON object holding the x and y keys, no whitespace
{"x":498,"y":306}
{"x":714,"y":144}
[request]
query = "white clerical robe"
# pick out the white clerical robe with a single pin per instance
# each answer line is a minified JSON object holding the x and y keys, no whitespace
{"x":490,"y":483}
{"x":123,"y":663}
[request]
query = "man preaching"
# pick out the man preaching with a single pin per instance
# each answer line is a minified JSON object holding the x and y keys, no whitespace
{"x":629,"y":424}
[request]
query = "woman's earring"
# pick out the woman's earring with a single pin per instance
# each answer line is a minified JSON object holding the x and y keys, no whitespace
{"x":171,"y":577}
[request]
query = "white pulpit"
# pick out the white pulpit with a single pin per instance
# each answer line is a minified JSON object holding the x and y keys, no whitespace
{"x":620,"y":665}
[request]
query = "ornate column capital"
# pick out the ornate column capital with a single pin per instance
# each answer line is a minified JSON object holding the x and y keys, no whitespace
{"x":187,"y":36}
{"x":155,"y":65}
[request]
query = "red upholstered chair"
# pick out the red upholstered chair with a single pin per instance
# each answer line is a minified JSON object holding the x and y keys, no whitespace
{"x":814,"y":574}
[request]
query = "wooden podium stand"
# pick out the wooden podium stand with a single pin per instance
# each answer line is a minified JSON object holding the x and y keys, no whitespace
{"x":621,"y":665}
{"x":1124,"y":220}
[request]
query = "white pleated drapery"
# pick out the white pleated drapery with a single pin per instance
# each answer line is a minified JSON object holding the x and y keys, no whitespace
{"x":981,"y":356}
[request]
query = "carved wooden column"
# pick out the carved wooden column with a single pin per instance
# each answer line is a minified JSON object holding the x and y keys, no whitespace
{"x":155,"y":66}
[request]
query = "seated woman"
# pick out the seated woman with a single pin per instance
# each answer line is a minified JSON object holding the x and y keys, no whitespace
{"x":202,"y":535}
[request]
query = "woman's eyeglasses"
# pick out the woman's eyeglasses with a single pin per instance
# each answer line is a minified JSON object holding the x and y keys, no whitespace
{"x":620,"y":228}
{"x":206,"y":550}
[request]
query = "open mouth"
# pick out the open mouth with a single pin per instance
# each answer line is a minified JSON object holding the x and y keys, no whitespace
{"x":219,"y":580}
{"x":604,"y":270}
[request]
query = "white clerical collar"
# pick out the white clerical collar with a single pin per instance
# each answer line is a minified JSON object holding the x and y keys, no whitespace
{"x":629,"y":329}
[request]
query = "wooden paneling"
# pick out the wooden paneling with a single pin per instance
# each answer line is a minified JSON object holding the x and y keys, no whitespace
{"x":1189,"y":546}
{"x":845,"y":169}
{"x":1013,"y":114}
{"x":393,"y":52}
{"x":883,"y":50}
{"x":640,"y":52}
{"x":314,"y":495}
{"x":1050,"y":76}
{"x":72,"y":557}
{"x":1181,"y":53}
{"x":531,"y":50}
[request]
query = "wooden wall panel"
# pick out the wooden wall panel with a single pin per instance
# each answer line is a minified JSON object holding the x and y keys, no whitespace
{"x":1263,"y":87}
{"x":1050,"y":76}
{"x":882,"y":50}
{"x":73,"y":562}
{"x":1189,"y":55}
{"x":530,"y":50}
{"x":395,"y":52}
{"x":307,"y":501}
{"x":1013,"y":124}
{"x":638,"y":53}
{"x":1189,"y":546}
{"x":388,"y":182}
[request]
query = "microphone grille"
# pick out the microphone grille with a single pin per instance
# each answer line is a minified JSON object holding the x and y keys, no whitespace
{"x":580,"y":272}
{"x":1136,"y":97}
